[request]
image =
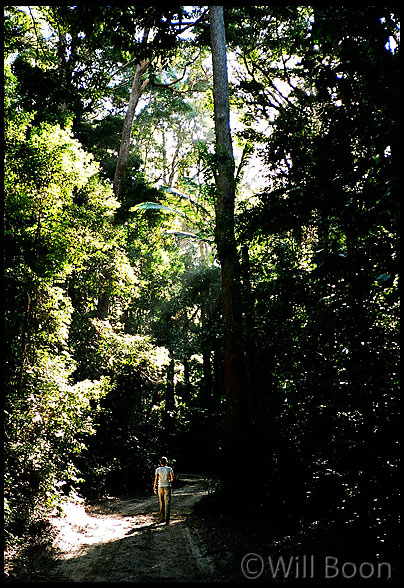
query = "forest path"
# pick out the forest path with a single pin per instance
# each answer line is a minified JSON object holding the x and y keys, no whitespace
{"x":120,"y":540}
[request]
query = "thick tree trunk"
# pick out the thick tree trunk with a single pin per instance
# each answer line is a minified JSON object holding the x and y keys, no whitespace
{"x":236,"y":384}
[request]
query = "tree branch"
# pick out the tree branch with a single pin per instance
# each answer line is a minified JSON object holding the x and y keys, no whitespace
{"x":36,"y":33}
{"x":170,"y":84}
{"x":193,"y":23}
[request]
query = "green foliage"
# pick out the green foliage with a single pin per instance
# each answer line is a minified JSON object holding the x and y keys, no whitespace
{"x":47,"y":237}
{"x":322,"y":239}
{"x":44,"y":429}
{"x":119,"y":456}
{"x":81,"y":270}
{"x":113,"y":320}
{"x":16,"y":27}
{"x":84,"y":54}
{"x":102,"y":139}
{"x":195,"y":215}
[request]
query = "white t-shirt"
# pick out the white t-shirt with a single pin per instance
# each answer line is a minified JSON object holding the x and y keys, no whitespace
{"x":163,"y":473}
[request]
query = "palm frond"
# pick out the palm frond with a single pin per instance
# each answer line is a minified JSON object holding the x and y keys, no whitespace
{"x":155,"y":206}
{"x":183,"y":197}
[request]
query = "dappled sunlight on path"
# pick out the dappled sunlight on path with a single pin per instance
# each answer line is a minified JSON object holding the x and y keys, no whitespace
{"x":120,"y":540}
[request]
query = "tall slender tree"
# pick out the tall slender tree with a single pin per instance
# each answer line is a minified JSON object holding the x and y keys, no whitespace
{"x":241,"y":413}
{"x":138,"y":87}
{"x":168,"y":29}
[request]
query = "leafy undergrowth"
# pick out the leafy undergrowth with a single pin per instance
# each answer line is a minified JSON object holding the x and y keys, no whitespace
{"x":261,"y":543}
{"x":24,"y":554}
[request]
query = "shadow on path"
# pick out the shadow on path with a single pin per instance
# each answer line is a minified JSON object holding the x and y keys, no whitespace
{"x":120,"y":540}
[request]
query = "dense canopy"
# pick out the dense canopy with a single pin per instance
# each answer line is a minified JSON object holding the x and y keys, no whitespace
{"x":220,"y":286}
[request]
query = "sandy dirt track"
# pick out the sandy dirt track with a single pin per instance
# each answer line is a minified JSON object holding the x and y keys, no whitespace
{"x":119,"y":540}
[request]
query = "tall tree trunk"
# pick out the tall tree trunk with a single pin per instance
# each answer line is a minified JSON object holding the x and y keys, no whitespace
{"x":173,"y":166}
{"x":236,"y":385}
{"x":170,"y":400}
{"x":250,"y":342}
{"x":218,"y":376}
{"x":207,"y":380}
{"x":138,"y":87}
{"x":206,"y":391}
{"x":187,"y":382}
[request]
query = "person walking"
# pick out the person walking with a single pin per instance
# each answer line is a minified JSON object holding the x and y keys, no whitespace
{"x":164,"y":475}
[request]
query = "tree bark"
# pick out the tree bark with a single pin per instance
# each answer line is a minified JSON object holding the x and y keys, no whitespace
{"x":138,"y":87}
{"x":207,"y":376}
{"x":250,"y":343}
{"x":170,"y":400}
{"x":236,"y":385}
{"x":187,"y":381}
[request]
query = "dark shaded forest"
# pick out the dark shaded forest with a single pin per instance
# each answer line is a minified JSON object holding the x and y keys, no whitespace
{"x":201,"y":260}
